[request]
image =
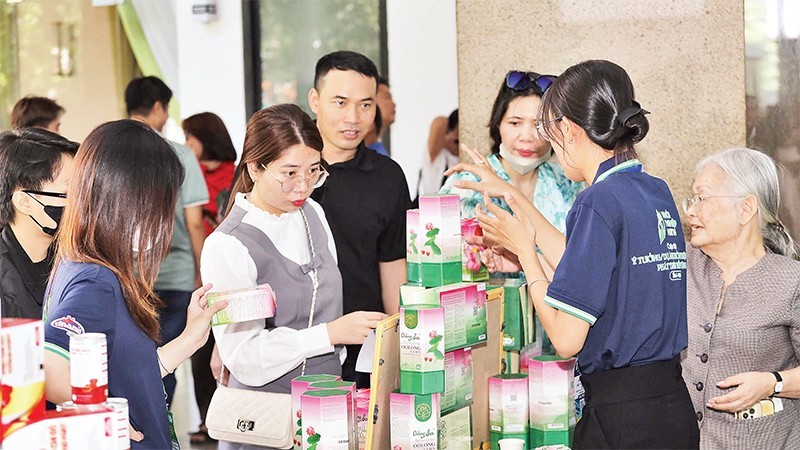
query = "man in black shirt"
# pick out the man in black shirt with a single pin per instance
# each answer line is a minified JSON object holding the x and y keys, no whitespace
{"x":366,"y":196}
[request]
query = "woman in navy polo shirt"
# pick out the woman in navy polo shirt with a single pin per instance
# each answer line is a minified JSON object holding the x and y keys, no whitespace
{"x":618,"y":295}
{"x":115,"y":233}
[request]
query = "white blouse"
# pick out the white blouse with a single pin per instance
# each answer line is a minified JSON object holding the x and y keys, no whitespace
{"x":253,"y":354}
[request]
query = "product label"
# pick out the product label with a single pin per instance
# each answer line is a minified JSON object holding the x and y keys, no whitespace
{"x":421,"y":339}
{"x":551,"y":384}
{"x":88,"y":354}
{"x":508,"y":403}
{"x":440,"y":220}
{"x":414,"y":421}
{"x":458,"y":379}
{"x":328,"y":421}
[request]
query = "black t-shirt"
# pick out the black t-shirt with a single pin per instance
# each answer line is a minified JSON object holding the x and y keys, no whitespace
{"x":22,"y":281}
{"x":365,"y":201}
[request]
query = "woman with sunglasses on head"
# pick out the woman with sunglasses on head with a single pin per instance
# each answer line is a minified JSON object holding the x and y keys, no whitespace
{"x":618,"y":295}
{"x":519,"y":156}
{"x":35,"y":169}
{"x":115,"y":233}
{"x":275,"y":233}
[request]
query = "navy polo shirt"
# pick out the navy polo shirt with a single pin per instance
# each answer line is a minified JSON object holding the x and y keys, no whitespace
{"x":624,"y":269}
{"x":87,"y":298}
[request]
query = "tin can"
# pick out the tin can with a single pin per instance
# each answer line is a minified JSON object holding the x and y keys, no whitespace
{"x":121,"y":422}
{"x":88,"y":368}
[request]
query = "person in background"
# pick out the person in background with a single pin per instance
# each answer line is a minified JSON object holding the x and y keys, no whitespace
{"x":386,"y":109}
{"x":147,"y":100}
{"x":743,"y":299}
{"x":374,"y":132}
{"x":442,"y":154}
{"x":275,"y":234}
{"x":35,"y":172}
{"x":115,"y":233}
{"x":40,"y":112}
{"x":209,"y":140}
{"x":622,"y":312}
{"x":366,"y":196}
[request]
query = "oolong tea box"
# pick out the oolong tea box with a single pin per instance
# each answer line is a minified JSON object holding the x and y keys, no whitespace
{"x":508,"y":407}
{"x":421,"y":349}
{"x":440,"y":241}
{"x":328,"y":421}
{"x":299,"y":387}
{"x":413,"y":255}
{"x":464,"y":307}
{"x":458,"y":380}
{"x":552,"y":403}
{"x":414,"y":421}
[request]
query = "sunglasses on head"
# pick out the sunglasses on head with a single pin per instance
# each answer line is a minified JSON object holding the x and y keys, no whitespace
{"x":522,"y":81}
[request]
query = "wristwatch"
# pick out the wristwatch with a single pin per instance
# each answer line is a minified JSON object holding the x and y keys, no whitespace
{"x":778,"y":383}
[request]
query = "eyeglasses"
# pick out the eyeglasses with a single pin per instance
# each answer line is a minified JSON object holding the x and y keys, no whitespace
{"x":540,"y":128}
{"x":45,"y":193}
{"x":698,"y":200}
{"x":522,"y":81}
{"x":291,"y":183}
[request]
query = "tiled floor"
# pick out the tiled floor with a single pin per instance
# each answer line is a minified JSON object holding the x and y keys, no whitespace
{"x":184,"y":408}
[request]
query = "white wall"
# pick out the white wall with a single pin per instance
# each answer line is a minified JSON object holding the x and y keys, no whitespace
{"x":210,"y":66}
{"x":423,"y":73}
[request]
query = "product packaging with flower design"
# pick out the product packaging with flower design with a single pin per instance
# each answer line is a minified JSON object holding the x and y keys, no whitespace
{"x":421,"y":349}
{"x":299,"y":387}
{"x":440,"y":248}
{"x":472,"y":269}
{"x":414,"y":421}
{"x":328,"y":421}
{"x":413,"y":241}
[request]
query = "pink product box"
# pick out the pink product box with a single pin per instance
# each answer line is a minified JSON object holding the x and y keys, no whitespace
{"x":362,"y":416}
{"x":551,"y":386}
{"x":299,"y":387}
{"x":328,"y":420}
{"x":414,"y":421}
{"x":21,"y":374}
{"x":244,"y":304}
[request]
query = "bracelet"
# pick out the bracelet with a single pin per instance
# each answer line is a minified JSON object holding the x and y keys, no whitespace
{"x":161,"y":363}
{"x":531,"y":283}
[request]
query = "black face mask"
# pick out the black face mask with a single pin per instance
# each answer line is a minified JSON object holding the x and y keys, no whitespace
{"x":53,"y":212}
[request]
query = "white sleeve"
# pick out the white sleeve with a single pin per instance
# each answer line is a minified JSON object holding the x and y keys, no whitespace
{"x":254,"y":355}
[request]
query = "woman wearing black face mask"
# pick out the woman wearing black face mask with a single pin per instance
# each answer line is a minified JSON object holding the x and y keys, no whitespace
{"x":35,"y":168}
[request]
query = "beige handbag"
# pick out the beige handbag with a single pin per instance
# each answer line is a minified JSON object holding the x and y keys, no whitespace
{"x":251,"y":417}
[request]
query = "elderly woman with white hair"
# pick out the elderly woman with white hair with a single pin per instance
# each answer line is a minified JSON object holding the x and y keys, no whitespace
{"x":743,"y":300}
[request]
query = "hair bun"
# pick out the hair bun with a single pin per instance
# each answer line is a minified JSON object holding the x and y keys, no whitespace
{"x":628,"y":113}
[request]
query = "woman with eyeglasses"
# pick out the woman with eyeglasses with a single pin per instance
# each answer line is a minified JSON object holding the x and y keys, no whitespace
{"x":275,"y":233}
{"x":35,"y":169}
{"x":743,"y":298}
{"x":618,"y":296}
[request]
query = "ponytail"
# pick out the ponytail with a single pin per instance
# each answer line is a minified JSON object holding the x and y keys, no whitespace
{"x":778,"y":239}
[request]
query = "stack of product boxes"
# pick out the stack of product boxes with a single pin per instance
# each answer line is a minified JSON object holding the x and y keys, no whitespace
{"x":441,"y":318}
{"x":91,"y":420}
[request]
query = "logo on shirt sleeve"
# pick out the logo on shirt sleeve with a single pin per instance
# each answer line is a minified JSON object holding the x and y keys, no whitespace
{"x":69,"y":324}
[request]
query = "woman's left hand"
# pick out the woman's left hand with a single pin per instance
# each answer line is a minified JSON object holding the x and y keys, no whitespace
{"x":751,"y":387}
{"x":514,"y":233}
{"x":198,"y":317}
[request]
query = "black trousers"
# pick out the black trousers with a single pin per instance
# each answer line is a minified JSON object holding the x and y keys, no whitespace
{"x":205,"y":382}
{"x":637,"y":407}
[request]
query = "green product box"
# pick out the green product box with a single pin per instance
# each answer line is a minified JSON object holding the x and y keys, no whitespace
{"x":539,"y":438}
{"x":412,"y":294}
{"x":421,"y":350}
{"x":458,"y":380}
{"x":464,"y":314}
{"x":413,"y":261}
{"x":455,"y":430}
{"x":518,"y":324}
{"x":440,"y":246}
{"x":508,"y":405}
{"x":494,"y":437}
{"x":551,"y":393}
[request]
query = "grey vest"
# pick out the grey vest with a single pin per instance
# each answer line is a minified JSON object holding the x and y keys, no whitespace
{"x":293,"y":289}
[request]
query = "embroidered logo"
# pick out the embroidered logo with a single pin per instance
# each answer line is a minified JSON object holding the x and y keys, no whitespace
{"x":68,"y":324}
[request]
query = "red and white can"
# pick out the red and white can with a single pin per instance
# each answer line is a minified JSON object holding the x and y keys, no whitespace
{"x":121,"y":421}
{"x":88,"y":354}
